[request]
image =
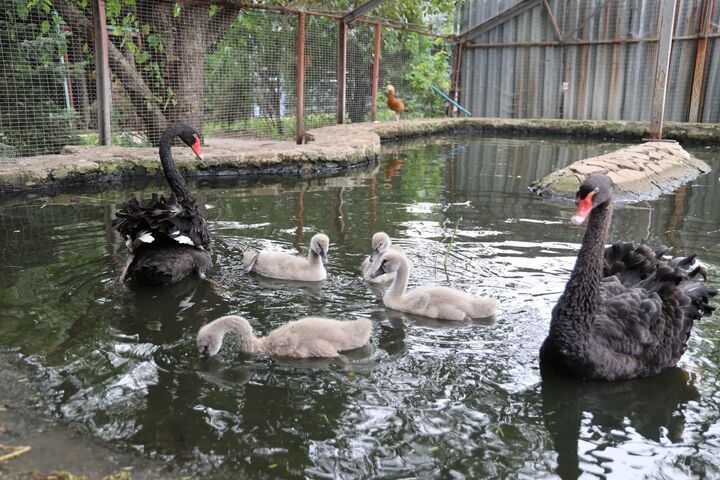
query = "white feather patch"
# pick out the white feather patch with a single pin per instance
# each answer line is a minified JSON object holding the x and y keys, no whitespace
{"x":183,"y":239}
{"x":146,"y":237}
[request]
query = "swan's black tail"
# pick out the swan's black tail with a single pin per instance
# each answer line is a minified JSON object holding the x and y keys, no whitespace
{"x":684,"y":295}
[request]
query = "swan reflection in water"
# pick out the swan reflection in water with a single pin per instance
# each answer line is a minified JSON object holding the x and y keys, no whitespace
{"x":601,"y":415}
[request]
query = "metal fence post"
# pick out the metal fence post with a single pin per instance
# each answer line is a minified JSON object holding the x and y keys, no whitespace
{"x":698,"y":83}
{"x":341,"y":70}
{"x":102,"y":67}
{"x":455,"y":79}
{"x":300,"y":105}
{"x":666,"y":22}
{"x":375,"y":73}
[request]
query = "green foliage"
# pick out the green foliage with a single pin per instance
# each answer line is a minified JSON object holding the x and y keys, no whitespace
{"x":33,"y":117}
{"x":429,"y":69}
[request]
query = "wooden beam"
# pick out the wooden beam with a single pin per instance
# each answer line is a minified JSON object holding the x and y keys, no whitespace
{"x":300,"y":65}
{"x":697,"y":93}
{"x":375,"y":73}
{"x":498,"y":19}
{"x":666,"y":23}
{"x":361,"y":10}
{"x":102,"y":68}
{"x":341,"y":71}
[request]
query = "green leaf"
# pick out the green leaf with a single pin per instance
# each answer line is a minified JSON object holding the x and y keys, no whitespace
{"x":142,"y":57}
{"x":213,"y":10}
{"x":176,"y":10}
{"x":45,"y":26}
{"x":85,"y":48}
{"x":22,"y":10}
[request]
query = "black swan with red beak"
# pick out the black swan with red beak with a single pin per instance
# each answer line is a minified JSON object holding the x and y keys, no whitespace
{"x":168,"y":239}
{"x":627,"y":311}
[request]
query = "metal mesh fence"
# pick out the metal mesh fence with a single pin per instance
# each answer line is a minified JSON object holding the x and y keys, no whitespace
{"x":45,"y":102}
{"x":228,"y":71}
{"x":233,"y":71}
{"x":321,"y":46}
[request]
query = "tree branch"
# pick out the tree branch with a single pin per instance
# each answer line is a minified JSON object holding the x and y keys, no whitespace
{"x":140,"y":94}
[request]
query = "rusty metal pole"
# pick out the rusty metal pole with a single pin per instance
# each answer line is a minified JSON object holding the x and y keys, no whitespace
{"x":102,"y":67}
{"x":300,"y":59}
{"x":455,"y":78}
{"x":666,"y":21}
{"x":698,"y":84}
{"x":375,"y":73}
{"x":341,"y":70}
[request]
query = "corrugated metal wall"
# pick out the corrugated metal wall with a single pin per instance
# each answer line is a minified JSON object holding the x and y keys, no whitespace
{"x":604,"y":70}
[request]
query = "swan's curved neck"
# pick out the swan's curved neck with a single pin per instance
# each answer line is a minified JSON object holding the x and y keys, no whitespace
{"x":399,"y":284}
{"x":172,"y":174}
{"x":246,"y":339}
{"x":581,"y":299}
{"x":314,"y":259}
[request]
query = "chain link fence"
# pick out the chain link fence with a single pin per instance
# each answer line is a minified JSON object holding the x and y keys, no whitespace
{"x":227,"y":70}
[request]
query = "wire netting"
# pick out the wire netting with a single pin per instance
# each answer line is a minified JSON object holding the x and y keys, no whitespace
{"x":321,"y":46}
{"x":46,"y":93}
{"x":232,"y":71}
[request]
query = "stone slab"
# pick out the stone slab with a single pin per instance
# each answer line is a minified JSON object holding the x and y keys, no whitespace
{"x":639,"y":172}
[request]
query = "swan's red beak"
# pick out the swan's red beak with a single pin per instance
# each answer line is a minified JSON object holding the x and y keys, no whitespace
{"x":196,"y":148}
{"x":584,"y":205}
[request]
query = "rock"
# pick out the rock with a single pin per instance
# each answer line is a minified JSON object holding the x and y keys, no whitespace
{"x":642,"y":171}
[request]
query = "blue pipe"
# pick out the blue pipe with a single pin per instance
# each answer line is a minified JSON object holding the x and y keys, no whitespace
{"x":463,"y":109}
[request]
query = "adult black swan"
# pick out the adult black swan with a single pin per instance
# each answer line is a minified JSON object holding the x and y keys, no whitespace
{"x":626,"y":311}
{"x":168,"y":239}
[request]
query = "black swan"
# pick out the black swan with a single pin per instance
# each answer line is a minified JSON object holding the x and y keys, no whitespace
{"x":626,"y":311}
{"x":168,"y":239}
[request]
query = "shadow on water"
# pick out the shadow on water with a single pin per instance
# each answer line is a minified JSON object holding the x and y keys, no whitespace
{"x":592,"y":413}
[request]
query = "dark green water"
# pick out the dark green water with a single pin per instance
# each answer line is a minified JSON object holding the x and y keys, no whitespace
{"x":425,"y":399}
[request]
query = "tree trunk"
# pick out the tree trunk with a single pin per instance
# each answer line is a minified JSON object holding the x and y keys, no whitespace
{"x":187,"y":39}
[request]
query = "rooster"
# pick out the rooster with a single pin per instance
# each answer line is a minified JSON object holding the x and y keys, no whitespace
{"x":394,"y":103}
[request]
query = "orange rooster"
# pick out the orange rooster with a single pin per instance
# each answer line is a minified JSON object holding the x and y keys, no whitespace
{"x":394,"y":103}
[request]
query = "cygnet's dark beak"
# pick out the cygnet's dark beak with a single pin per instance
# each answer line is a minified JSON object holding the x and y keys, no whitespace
{"x":378,"y":272}
{"x":205,"y":353}
{"x":323,"y":256}
{"x":374,"y":255}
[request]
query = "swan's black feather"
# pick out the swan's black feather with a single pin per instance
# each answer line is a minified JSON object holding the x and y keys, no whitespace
{"x":162,"y":217}
{"x":168,"y":237}
{"x":636,"y":320}
{"x":166,"y":265}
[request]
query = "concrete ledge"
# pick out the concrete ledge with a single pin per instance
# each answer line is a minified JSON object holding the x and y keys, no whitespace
{"x":328,"y":150}
{"x":642,"y":171}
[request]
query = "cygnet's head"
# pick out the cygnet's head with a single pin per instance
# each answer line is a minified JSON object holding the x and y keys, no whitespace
{"x":320,"y":244}
{"x":390,"y":89}
{"x":380,"y":244}
{"x":390,"y":262}
{"x":210,"y":336}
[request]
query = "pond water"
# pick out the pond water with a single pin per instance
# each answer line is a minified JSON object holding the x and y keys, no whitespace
{"x":425,"y":398}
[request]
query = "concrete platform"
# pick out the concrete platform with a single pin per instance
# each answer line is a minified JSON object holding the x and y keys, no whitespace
{"x":328,"y":150}
{"x":642,"y":171}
